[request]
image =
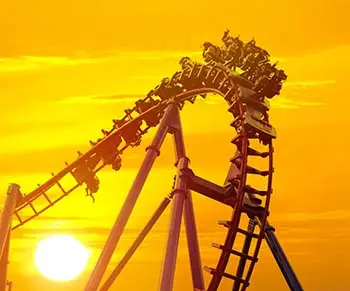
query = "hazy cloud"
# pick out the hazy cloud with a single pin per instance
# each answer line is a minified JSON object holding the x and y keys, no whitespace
{"x":108,"y":98}
{"x":277,"y":102}
{"x":309,"y":83}
{"x":318,"y":216}
{"x":289,"y":103}
{"x":30,"y":63}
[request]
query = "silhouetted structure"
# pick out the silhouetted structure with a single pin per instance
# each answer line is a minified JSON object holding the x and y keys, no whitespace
{"x":242,"y":74}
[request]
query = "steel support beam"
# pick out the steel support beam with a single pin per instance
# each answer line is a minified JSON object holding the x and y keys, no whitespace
{"x":13,"y":194}
{"x":135,"y":245}
{"x":281,"y":259}
{"x":123,"y":217}
{"x":182,"y":204}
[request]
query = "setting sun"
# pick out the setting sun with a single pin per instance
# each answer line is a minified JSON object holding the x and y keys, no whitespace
{"x":61,"y":257}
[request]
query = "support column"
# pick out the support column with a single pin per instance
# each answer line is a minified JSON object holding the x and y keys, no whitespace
{"x":281,"y":259}
{"x":184,"y":199}
{"x":193,"y":245}
{"x":4,"y":261}
{"x":168,"y":271}
{"x":5,"y":228}
{"x":190,"y":221}
{"x":123,"y":217}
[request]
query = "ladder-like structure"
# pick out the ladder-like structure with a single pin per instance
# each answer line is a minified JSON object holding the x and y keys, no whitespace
{"x":243,"y":76}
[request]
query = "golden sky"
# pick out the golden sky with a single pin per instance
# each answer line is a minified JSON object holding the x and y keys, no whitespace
{"x":60,"y":61}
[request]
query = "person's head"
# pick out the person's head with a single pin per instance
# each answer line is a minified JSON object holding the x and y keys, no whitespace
{"x":207,"y":45}
{"x":184,"y":60}
{"x":252,"y":42}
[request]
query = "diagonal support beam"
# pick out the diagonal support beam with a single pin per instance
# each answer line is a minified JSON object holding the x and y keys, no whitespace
{"x":205,"y":187}
{"x":136,"y":244}
{"x":123,"y":217}
{"x":281,"y":258}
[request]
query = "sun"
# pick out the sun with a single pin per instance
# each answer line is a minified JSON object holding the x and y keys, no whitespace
{"x":61,"y":257}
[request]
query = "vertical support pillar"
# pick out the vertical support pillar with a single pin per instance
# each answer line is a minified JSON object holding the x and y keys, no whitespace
{"x":4,"y":261}
{"x":13,"y":194}
{"x":182,"y":199}
{"x":168,"y":271}
{"x":193,"y":245}
{"x":123,"y":217}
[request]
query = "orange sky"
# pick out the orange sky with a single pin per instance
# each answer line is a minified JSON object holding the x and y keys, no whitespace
{"x":59,"y":62}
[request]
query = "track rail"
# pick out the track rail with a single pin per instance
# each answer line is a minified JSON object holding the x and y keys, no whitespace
{"x":246,"y":98}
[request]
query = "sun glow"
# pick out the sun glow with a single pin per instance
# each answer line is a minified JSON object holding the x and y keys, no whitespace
{"x":61,"y":257}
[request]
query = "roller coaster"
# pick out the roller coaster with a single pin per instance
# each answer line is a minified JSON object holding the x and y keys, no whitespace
{"x":245,"y":78}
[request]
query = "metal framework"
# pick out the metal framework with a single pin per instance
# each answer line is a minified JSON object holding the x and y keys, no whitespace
{"x":246,"y":93}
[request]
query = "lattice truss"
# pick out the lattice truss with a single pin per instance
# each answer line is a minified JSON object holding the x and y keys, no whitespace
{"x":243,"y":75}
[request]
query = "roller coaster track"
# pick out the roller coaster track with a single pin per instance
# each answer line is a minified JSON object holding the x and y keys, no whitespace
{"x":253,"y":142}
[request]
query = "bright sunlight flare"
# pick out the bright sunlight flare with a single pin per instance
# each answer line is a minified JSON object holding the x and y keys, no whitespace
{"x":61,"y":257}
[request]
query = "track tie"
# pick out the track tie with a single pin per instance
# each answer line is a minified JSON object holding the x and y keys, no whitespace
{"x":226,"y":275}
{"x":236,"y":122}
{"x":208,"y":74}
{"x":237,"y":141}
{"x":254,"y":200}
{"x":209,"y":270}
{"x":234,"y":252}
{"x":202,"y":73}
{"x":222,"y":83}
{"x":227,"y":224}
{"x":236,"y":159}
{"x":232,"y":107}
{"x":216,"y":76}
{"x":253,"y":152}
{"x":199,"y":72}
{"x":32,"y":207}
{"x":45,"y":195}
{"x":247,"y":233}
{"x":61,"y":187}
{"x":250,"y":170}
{"x":251,"y":190}
{"x":47,"y":198}
{"x":255,"y":171}
{"x":19,"y":218}
{"x":230,"y":93}
{"x":192,"y":99}
{"x":252,"y":210}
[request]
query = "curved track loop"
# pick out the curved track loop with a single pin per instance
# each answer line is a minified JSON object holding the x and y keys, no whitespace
{"x":250,"y":122}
